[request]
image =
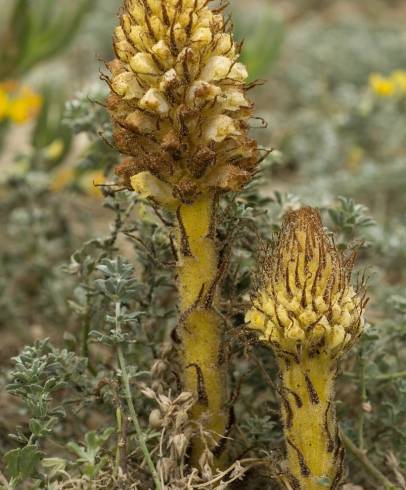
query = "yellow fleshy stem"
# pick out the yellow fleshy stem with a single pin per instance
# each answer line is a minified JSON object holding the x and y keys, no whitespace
{"x":313,"y":446}
{"x":200,"y":330}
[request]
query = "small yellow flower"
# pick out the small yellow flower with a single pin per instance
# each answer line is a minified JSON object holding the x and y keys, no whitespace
{"x":384,"y":87}
{"x":25,"y":106}
{"x":54,"y":150}
{"x":149,"y":186}
{"x":18,"y":103}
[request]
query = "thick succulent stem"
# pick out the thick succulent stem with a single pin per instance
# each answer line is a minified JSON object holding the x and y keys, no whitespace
{"x":313,"y":447}
{"x":200,"y":328}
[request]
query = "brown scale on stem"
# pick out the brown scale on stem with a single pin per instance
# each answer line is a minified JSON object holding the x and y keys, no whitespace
{"x":201,"y":390}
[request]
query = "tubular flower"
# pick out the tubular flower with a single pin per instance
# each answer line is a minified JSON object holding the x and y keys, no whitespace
{"x":178,"y":101}
{"x":310,"y":314}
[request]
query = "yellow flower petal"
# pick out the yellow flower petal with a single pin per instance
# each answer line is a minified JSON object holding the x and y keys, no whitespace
{"x":382,"y":86}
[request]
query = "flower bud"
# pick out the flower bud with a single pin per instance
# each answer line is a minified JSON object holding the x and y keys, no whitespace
{"x":307,"y":299}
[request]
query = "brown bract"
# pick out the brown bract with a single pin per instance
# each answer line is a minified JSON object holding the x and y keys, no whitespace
{"x":178,"y":100}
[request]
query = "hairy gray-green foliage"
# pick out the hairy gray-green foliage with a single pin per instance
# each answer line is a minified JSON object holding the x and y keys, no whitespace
{"x":36,"y":238}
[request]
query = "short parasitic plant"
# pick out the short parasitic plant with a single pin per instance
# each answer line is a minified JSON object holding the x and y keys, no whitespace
{"x":309,"y":313}
{"x":181,"y":118}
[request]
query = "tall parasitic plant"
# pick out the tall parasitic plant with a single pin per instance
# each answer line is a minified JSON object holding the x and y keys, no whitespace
{"x":180,"y":116}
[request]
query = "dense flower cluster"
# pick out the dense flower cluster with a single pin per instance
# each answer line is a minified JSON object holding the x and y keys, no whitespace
{"x":178,"y":101}
{"x":307,"y":298}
